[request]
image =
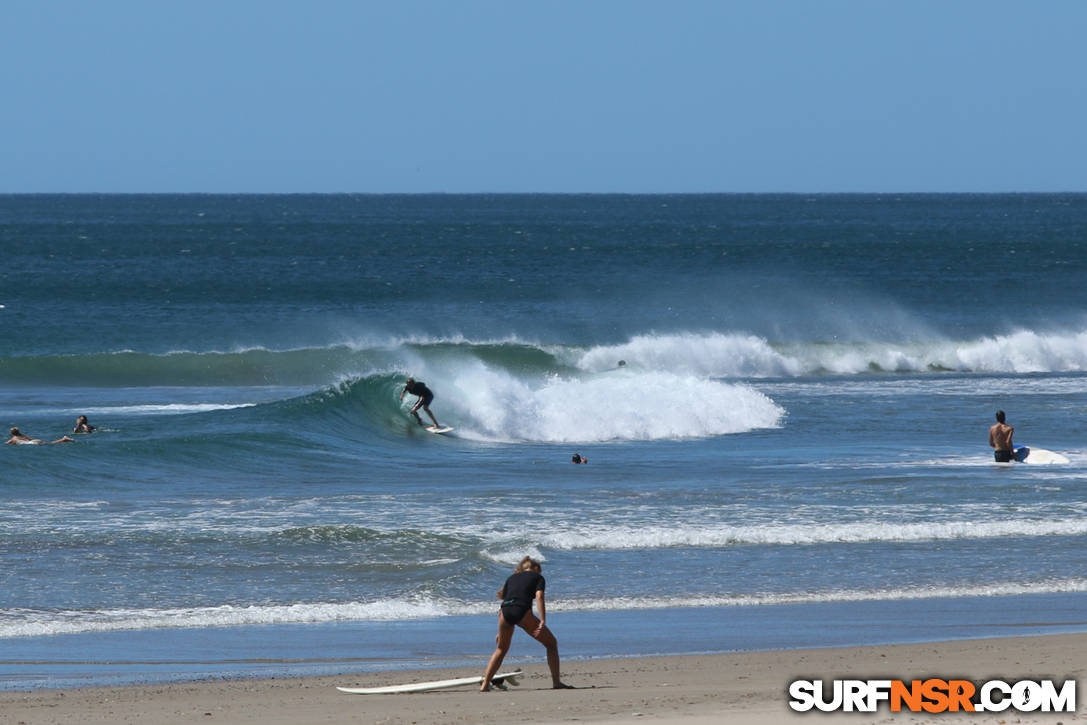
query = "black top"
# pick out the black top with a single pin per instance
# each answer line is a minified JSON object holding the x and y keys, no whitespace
{"x":521,"y":588}
{"x":417,"y":388}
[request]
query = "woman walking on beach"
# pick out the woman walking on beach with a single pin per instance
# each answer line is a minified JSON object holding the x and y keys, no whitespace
{"x":524,"y":586}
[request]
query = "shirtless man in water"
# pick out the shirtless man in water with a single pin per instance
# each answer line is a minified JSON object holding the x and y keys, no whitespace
{"x":17,"y":438}
{"x":1000,"y":438}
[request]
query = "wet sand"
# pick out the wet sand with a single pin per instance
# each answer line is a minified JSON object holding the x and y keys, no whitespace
{"x":747,"y":688}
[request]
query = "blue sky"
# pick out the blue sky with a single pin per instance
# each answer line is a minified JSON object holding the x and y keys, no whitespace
{"x":559,"y":96}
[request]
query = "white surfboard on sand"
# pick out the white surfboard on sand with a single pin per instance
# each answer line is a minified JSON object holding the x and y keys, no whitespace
{"x":500,"y":680}
{"x":1030,"y":454}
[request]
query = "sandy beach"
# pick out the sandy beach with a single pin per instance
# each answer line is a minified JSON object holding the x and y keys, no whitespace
{"x":729,"y":688}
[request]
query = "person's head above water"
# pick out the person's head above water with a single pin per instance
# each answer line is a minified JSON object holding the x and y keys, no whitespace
{"x":1000,"y":416}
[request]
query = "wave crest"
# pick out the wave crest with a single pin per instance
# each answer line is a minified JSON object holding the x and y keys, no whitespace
{"x":495,"y":405}
{"x":711,"y":355}
{"x":35,"y":623}
{"x":724,"y":535}
{"x":723,"y":355}
{"x":700,"y":354}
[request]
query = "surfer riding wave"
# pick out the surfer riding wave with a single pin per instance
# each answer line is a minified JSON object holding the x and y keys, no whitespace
{"x":419,"y":388}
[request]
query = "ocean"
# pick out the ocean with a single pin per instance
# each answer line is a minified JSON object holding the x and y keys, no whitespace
{"x":784,"y":401}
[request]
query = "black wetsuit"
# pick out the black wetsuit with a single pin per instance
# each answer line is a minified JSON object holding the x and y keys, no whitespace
{"x":518,"y":594}
{"x":420,"y":389}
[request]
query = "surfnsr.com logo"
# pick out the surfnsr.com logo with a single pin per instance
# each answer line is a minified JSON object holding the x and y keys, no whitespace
{"x":932,"y":695}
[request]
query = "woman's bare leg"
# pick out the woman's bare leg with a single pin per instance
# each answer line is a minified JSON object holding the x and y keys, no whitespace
{"x":530,"y":624}
{"x":502,"y":642}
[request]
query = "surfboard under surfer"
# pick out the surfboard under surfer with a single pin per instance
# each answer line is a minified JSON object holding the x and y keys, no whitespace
{"x":1000,"y":438}
{"x":417,"y":387}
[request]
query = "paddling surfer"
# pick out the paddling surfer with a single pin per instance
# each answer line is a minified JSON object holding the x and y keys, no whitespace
{"x":417,"y":387}
{"x":17,"y":439}
{"x":525,"y":586}
{"x":1000,"y":438}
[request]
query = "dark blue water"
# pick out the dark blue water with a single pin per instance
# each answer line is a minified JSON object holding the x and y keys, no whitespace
{"x":784,"y":401}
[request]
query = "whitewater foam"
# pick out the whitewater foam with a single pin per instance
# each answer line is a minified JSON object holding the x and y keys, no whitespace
{"x":31,"y":623}
{"x":725,"y":355}
{"x":723,"y":535}
{"x":35,"y":623}
{"x":705,"y":355}
{"x":165,"y":408}
{"x":492,"y":404}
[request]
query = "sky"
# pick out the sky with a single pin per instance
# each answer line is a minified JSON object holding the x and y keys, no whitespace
{"x":627,"y":96}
